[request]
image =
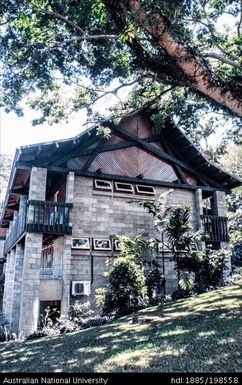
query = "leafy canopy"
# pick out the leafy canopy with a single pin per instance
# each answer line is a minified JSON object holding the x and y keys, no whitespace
{"x":48,"y":50}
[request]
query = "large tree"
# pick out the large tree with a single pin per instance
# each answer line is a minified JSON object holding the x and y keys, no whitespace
{"x":171,"y":52}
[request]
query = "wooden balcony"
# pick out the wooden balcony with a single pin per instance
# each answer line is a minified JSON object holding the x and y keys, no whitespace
{"x":41,"y":217}
{"x":17,"y":230}
{"x":215,"y":228}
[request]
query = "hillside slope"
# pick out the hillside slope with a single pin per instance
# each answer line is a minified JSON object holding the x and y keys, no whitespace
{"x":203,"y":333}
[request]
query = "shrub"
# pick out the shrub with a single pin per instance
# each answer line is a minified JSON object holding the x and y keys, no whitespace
{"x":126,"y":289}
{"x":7,"y":335}
{"x":83,"y":320}
{"x":180,"y":293}
{"x":211,"y":270}
{"x":234,"y":277}
{"x":155,"y":281}
{"x":80,"y":311}
{"x":50,"y":317}
{"x":236,"y":258}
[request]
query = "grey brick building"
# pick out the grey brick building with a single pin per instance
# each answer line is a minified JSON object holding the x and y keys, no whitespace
{"x":67,"y":199}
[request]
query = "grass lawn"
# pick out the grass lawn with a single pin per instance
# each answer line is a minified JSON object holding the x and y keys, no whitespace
{"x":203,"y":333}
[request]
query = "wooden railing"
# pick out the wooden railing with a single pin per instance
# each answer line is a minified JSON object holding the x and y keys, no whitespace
{"x":40,"y":216}
{"x":17,"y":230}
{"x":215,"y":228}
{"x":49,"y":217}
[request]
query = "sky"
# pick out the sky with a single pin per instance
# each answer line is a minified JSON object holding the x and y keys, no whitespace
{"x":18,"y":131}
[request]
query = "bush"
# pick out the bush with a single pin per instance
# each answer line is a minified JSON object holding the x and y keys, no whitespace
{"x":80,"y":317}
{"x":80,"y":311}
{"x":6,"y":335}
{"x":211,"y":270}
{"x":234,"y":277}
{"x":236,"y":258}
{"x":155,"y":281}
{"x":126,"y":289}
{"x":180,"y":293}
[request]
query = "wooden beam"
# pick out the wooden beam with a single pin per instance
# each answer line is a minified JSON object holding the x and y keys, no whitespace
{"x":94,"y":154}
{"x":93,"y":138}
{"x":181,"y":157}
{"x":145,"y":181}
{"x":163,"y":154}
{"x":178,"y":169}
{"x":117,"y":146}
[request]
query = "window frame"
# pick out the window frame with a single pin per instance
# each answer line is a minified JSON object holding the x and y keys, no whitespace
{"x":137,"y":186}
{"x":103,"y":188}
{"x":102,"y":248}
{"x":81,"y":247}
{"x":122,"y":190}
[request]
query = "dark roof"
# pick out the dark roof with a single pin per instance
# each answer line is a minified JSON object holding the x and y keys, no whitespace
{"x":190,"y":153}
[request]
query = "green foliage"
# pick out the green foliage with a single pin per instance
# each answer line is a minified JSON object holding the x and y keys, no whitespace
{"x":155,"y":281}
{"x":80,"y":317}
{"x":6,"y":335}
{"x":49,"y":317}
{"x":158,"y":209}
{"x":231,"y":160}
{"x":234,"y":200}
{"x":50,"y":47}
{"x":132,"y":247}
{"x":80,"y":311}
{"x":178,"y":230}
{"x":186,"y":282}
{"x":126,"y":288}
{"x":211,"y":269}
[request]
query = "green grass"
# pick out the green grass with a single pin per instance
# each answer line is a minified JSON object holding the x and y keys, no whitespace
{"x":203,"y":333}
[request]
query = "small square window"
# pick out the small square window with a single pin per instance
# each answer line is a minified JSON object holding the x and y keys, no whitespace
{"x":102,"y":244}
{"x":80,"y":243}
{"x":117,"y":245}
{"x":124,"y":187}
{"x":147,"y":190}
{"x":103,"y":185}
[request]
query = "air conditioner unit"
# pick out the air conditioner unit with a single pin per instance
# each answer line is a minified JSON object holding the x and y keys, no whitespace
{"x":81,"y":288}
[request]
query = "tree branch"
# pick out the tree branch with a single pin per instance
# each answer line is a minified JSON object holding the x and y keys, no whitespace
{"x":208,"y":26}
{"x":60,"y":17}
{"x":128,"y":84}
{"x":196,"y":72}
{"x":146,"y":105}
{"x":215,"y":55}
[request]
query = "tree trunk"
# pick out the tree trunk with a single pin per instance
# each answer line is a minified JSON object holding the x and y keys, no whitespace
{"x":196,"y":73}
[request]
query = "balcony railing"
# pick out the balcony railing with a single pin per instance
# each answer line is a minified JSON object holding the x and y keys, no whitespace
{"x":215,"y":228}
{"x":17,"y":230}
{"x":40,"y":216}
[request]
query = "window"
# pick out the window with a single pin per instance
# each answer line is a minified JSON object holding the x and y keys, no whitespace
{"x":124,"y":187}
{"x":80,"y":243}
{"x":102,"y":244}
{"x":47,"y":257}
{"x":117,"y":246}
{"x":142,"y":189}
{"x":103,"y":184}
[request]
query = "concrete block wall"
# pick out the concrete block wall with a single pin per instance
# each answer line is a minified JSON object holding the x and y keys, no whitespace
{"x":94,"y":214}
{"x":29,"y":308}
{"x":17,"y":288}
{"x":29,"y":303}
{"x":219,"y":203}
{"x":101,"y":214}
{"x":7,"y":287}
